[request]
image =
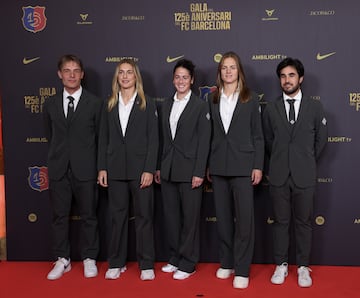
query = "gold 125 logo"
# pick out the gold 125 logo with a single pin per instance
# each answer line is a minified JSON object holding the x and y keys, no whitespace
{"x":354,"y":100}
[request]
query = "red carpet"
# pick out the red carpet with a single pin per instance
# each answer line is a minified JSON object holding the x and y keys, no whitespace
{"x":28,"y":279}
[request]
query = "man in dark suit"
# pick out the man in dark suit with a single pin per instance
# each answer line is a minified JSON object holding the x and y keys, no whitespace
{"x":71,"y":124}
{"x":295,"y":132}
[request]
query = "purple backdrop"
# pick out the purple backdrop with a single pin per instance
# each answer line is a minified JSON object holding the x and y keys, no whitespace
{"x":323,"y":34}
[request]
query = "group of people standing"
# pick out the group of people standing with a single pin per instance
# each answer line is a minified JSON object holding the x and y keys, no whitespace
{"x":128,"y":143}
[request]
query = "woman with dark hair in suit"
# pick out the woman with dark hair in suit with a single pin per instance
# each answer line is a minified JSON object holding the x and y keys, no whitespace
{"x":185,"y":131}
{"x":235,"y":166}
{"x":128,"y":149}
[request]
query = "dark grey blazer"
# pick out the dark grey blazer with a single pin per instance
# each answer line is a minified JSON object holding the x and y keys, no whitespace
{"x":127,"y":157}
{"x":294,"y":151}
{"x":186,"y":155}
{"x":241,"y":150}
{"x":74,"y":142}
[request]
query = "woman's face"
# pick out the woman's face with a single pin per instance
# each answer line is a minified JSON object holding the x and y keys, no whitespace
{"x":229,"y":71}
{"x":126,"y":76}
{"x":182,"y":81}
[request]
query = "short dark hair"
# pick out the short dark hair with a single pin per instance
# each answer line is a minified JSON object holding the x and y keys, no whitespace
{"x":187,"y":64}
{"x":296,"y":63}
{"x":68,"y":58}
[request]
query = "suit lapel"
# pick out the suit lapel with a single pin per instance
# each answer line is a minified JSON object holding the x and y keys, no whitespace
{"x":167,"y":110}
{"x":280,"y":107}
{"x":186,"y":112}
{"x":60,"y":107}
{"x":236,"y":112}
{"x":217,"y":116}
{"x":114,"y":115}
{"x":82,"y":104}
{"x":134,"y":111}
{"x":304,"y":105}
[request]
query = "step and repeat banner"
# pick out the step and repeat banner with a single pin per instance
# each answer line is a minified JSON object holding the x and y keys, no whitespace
{"x":324,"y":35}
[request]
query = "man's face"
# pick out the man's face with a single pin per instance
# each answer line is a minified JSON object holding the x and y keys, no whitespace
{"x":71,"y":76}
{"x":290,"y":81}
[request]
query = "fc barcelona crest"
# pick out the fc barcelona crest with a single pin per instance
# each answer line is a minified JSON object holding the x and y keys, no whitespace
{"x":34,"y":19}
{"x":205,"y":91}
{"x":38,"y":178}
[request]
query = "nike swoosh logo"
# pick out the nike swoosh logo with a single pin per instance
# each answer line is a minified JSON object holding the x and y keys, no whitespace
{"x":28,"y":61}
{"x":322,"y":57}
{"x":169,"y":60}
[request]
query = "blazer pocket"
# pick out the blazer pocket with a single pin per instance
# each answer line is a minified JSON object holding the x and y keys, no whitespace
{"x":246,"y":148}
{"x":243,"y":147}
{"x":140,"y":153}
{"x":190,"y":155}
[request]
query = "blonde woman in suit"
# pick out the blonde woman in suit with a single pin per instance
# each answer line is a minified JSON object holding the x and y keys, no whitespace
{"x":185,"y":131}
{"x":128,"y":149}
{"x":235,"y":166}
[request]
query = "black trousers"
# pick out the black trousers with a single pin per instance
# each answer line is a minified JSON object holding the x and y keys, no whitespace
{"x":291,"y":202}
{"x":85,"y":194}
{"x":234,"y":205}
{"x":120,"y":193}
{"x":182,"y":220}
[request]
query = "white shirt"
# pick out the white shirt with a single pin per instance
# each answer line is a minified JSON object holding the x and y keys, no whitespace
{"x":76,"y":95}
{"x":227,"y":108}
{"x":176,"y":111}
{"x":297,"y":102}
{"x":124,"y":111}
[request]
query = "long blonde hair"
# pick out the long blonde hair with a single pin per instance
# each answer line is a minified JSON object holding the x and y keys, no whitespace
{"x":114,"y":98}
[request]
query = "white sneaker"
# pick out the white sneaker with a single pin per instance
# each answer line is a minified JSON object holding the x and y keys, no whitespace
{"x":168,"y":268}
{"x":90,"y":269}
{"x":114,"y":273}
{"x":147,"y":274}
{"x":180,"y":275}
{"x":240,"y":282}
{"x":224,"y":273}
{"x":304,"y":278}
{"x":62,"y":266}
{"x":280,"y":273}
